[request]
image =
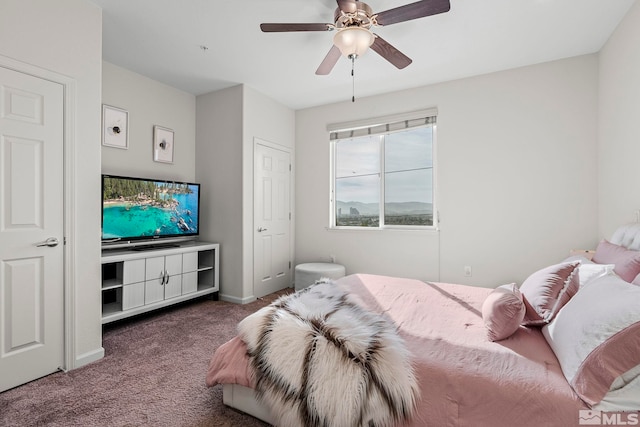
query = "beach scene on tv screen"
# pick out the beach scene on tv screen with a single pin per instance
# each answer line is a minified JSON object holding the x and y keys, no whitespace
{"x":139,"y":208}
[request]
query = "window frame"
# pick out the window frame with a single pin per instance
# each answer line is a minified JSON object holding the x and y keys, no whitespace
{"x":382,"y":226}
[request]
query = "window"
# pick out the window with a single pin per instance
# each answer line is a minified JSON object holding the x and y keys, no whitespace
{"x":383,"y":175}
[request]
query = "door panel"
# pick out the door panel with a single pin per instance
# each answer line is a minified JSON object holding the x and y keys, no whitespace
{"x":266,"y":251}
{"x":267,"y":198}
{"x":31,"y":211}
{"x":280,"y":260}
{"x":272,"y":251}
{"x":23,"y":191}
{"x":23,"y":292}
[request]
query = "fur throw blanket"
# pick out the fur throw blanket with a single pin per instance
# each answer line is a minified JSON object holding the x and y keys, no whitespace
{"x":321,"y":360}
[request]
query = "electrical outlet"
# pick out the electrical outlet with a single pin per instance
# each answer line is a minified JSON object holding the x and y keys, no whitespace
{"x":332,"y":258}
{"x":467,"y":271}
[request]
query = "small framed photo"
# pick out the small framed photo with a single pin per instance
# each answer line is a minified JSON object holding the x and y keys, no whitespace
{"x":115,"y":127}
{"x":162,"y":144}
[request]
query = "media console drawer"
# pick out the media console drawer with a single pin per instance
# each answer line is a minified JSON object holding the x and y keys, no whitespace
{"x":134,"y":282}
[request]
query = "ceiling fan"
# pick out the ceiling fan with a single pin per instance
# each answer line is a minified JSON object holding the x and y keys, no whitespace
{"x":354,"y":20}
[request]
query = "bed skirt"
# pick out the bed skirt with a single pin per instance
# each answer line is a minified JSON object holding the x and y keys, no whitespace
{"x":244,"y":399}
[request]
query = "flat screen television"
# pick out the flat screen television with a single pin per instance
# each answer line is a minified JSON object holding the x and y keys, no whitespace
{"x":139,"y":211}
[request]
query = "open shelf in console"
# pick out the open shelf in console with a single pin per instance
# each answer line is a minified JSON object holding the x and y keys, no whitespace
{"x":206,"y":268}
{"x":112,"y":275}
{"x":111,"y":300}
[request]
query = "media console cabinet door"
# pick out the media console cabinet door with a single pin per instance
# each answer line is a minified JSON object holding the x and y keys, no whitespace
{"x":163,"y":278}
{"x":132,"y":295}
{"x":189,"y":282}
{"x":155,"y":276}
{"x":155,"y":269}
{"x":133,"y":271}
{"x":173,"y":284}
{"x":173,"y":264}
{"x":189,"y":262}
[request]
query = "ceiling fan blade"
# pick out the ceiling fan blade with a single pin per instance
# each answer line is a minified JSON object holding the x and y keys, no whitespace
{"x":390,"y":53}
{"x":347,"y":6}
{"x":329,"y":61}
{"x":416,"y":10}
{"x":277,"y":28}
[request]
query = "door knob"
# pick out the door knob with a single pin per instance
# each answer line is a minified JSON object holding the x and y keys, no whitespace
{"x":260,"y":230}
{"x":51,"y":242}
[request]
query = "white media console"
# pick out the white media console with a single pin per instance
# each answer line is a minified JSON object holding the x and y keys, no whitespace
{"x":136,"y":281}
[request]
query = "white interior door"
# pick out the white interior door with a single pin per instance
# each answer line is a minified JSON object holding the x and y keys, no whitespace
{"x":272,"y":220}
{"x":31,"y":222}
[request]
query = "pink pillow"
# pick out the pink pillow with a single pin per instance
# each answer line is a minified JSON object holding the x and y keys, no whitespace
{"x":627,"y":262}
{"x":546,"y":291}
{"x":503,"y":312}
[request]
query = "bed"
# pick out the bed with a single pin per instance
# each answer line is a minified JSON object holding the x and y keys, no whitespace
{"x":563,"y":348}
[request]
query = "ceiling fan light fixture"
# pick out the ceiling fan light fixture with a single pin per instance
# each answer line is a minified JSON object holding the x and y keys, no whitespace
{"x":353,"y":40}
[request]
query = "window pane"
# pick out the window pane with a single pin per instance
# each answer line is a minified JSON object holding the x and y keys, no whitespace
{"x":358,"y":201}
{"x":409,"y":149}
{"x":409,"y":177}
{"x":358,"y":182}
{"x":408,"y":197}
{"x":358,"y":156}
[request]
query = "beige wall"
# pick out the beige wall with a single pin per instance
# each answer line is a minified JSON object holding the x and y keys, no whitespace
{"x":65,"y":37}
{"x":618,"y":130}
{"x":219,"y":170}
{"x":227,"y":123}
{"x":516,"y":159}
{"x":149,"y":103}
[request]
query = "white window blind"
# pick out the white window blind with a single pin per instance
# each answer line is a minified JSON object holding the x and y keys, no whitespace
{"x":382,"y":125}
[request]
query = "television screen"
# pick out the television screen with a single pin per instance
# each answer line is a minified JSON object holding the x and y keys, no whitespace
{"x":145,"y":209}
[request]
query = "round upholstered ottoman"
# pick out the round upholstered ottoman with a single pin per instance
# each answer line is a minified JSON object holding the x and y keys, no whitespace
{"x":307,"y":274}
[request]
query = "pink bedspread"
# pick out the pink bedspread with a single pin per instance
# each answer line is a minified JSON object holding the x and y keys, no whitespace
{"x":465,"y":379}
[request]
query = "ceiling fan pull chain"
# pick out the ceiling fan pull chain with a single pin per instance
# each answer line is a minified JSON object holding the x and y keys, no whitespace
{"x":353,"y":78}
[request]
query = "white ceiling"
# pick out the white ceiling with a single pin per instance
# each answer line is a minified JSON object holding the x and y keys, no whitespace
{"x":163,"y":39}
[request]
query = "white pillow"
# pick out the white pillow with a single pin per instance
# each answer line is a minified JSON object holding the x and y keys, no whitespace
{"x":596,"y":336}
{"x":624,"y":394}
{"x":591,"y":271}
{"x":622,"y":397}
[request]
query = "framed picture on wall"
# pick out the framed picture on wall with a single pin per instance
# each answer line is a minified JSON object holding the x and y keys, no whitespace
{"x":162,"y":144}
{"x":115,"y":127}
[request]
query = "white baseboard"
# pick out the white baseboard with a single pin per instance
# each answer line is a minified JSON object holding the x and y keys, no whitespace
{"x":236,"y":300}
{"x":90,"y":357}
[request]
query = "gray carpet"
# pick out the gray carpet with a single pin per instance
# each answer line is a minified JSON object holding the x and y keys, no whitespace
{"x":152,"y":375}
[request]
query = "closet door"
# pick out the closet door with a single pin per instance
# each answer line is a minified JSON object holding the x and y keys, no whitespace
{"x":31,"y":228}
